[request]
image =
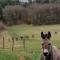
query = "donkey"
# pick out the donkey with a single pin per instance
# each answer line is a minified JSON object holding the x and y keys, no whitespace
{"x":49,"y":52}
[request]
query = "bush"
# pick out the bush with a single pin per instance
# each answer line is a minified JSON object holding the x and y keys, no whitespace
{"x":2,"y":26}
{"x":12,"y":14}
{"x":33,"y":14}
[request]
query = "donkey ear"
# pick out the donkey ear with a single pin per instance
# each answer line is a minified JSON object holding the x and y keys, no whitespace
{"x":49,"y":35}
{"x":42,"y":35}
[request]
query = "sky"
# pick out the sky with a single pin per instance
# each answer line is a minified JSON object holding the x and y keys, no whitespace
{"x":24,"y":0}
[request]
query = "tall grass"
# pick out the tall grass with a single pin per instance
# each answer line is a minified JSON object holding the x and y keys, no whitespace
{"x":6,"y":56}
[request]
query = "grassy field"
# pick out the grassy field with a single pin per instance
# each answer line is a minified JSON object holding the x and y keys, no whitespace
{"x":32,"y":49}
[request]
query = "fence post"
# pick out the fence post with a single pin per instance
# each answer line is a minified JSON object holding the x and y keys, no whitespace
{"x":12,"y":44}
{"x":24,"y":44}
{"x":3,"y":42}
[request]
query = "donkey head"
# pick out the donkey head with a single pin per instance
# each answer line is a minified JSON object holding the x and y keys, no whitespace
{"x":46,"y":44}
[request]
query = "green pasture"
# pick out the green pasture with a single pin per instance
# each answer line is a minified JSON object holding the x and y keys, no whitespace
{"x":32,"y":49}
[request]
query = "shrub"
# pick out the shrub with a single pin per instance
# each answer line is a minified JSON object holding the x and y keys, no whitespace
{"x":2,"y":26}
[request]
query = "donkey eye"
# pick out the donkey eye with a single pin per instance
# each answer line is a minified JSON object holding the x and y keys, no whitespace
{"x":42,"y":43}
{"x":49,"y":44}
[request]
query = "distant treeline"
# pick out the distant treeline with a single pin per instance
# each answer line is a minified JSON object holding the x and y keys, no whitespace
{"x":36,"y":14}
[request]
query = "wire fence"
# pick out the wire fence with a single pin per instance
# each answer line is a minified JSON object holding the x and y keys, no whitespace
{"x":22,"y":44}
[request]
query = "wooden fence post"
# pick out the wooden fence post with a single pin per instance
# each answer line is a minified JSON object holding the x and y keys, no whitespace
{"x":3,"y":42}
{"x":12,"y":44}
{"x":24,"y":44}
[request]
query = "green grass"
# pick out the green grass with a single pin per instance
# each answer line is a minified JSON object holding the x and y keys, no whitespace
{"x":6,"y":56}
{"x":32,"y":45}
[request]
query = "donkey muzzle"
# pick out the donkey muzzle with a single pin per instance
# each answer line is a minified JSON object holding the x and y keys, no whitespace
{"x":45,"y":52}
